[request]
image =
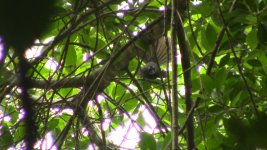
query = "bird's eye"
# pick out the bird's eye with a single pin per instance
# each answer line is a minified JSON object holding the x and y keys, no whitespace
{"x":152,"y":70}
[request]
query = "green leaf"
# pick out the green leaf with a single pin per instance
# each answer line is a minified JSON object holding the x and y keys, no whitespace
{"x":84,"y":143}
{"x":254,"y":62}
{"x":252,"y":39}
{"x":66,"y":92}
{"x":150,"y":15}
{"x":20,"y":132}
{"x":195,"y":85}
{"x":62,"y":121}
{"x":204,"y":41}
{"x":211,"y":127}
{"x":167,"y":141}
{"x":262,"y":31}
{"x":251,"y":19}
{"x":52,"y":124}
{"x":208,"y":37}
{"x":146,"y":85}
{"x":118,"y":92}
{"x":211,"y":34}
{"x":133,"y":65}
{"x":220,"y":77}
{"x":208,"y":83}
{"x":125,"y":97}
{"x":14,"y":113}
{"x":224,"y":60}
{"x":71,"y":57}
{"x":263,"y":59}
{"x":213,"y":143}
{"x":161,"y":111}
{"x":131,"y":104}
{"x":6,"y":139}
{"x":205,"y":8}
{"x":215,"y":109}
{"x":241,"y":98}
{"x":147,"y":142}
{"x":141,"y":120}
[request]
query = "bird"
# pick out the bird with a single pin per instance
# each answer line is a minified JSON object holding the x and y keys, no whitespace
{"x":158,"y":54}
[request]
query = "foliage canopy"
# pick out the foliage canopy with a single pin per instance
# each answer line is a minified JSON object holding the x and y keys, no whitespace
{"x":87,"y":92}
